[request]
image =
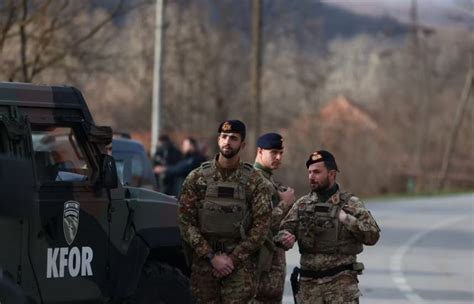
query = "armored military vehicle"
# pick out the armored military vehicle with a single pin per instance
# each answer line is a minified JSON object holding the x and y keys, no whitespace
{"x":83,"y":238}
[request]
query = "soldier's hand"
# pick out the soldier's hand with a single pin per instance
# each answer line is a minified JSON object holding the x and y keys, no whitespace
{"x":288,"y":196}
{"x":349,"y":210}
{"x":159,"y":169}
{"x":222,"y":265}
{"x":287,"y":240}
{"x":342,"y":216}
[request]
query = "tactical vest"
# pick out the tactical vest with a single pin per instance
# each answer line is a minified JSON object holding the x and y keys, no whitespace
{"x":224,"y":211}
{"x":320,"y":230}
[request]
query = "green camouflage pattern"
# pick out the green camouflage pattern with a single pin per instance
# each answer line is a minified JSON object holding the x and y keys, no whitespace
{"x":238,"y":287}
{"x":320,"y":230}
{"x":271,"y":283}
{"x":280,"y":208}
{"x":244,"y":251}
{"x":341,"y":290}
{"x":341,"y":287}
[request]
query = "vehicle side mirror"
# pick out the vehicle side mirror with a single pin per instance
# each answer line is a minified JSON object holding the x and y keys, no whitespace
{"x":17,"y":190}
{"x":109,"y":172}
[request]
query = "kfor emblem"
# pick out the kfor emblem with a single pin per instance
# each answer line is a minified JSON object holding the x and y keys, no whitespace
{"x":70,"y":220}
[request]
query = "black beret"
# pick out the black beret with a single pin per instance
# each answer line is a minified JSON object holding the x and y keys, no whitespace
{"x":232,"y":126}
{"x":322,"y":156}
{"x":270,"y":141}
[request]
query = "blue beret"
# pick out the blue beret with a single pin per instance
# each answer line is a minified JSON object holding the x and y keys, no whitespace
{"x":270,"y":141}
{"x":322,"y":156}
{"x":232,"y":126}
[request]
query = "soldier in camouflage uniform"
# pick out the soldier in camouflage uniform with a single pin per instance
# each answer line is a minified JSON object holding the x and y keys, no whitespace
{"x":331,"y":227}
{"x":272,"y":277}
{"x":224,"y":212}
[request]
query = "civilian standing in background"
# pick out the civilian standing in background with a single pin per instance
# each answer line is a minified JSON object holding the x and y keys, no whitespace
{"x":166,"y":155}
{"x":192,"y":159}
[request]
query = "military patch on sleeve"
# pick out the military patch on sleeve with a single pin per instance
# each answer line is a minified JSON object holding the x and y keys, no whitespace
{"x":335,"y":199}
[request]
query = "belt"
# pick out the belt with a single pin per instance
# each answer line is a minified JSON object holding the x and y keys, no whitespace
{"x":219,"y":246}
{"x":305,"y":273}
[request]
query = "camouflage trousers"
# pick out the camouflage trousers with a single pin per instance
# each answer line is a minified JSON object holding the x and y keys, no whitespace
{"x":342,"y":290}
{"x":271,"y":283}
{"x":238,"y":287}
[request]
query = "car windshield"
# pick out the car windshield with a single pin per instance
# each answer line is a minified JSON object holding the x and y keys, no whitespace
{"x":133,"y":168}
{"x":58,"y":156}
{"x":130,"y":168}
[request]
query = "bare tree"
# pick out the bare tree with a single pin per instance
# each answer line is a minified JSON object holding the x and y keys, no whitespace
{"x":205,"y":68}
{"x":38,"y":36}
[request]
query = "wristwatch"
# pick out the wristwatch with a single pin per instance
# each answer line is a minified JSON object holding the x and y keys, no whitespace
{"x":210,"y":256}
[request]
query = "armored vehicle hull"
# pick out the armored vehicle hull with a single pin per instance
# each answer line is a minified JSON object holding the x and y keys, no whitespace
{"x":83,"y":237}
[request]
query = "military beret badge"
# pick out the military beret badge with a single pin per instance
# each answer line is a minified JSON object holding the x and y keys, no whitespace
{"x":226,"y":126}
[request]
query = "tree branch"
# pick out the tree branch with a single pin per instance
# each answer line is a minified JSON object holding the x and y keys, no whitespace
{"x":8,"y":24}
{"x":23,"y":43}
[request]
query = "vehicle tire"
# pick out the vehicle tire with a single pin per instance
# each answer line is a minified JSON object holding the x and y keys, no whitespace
{"x":162,"y":283}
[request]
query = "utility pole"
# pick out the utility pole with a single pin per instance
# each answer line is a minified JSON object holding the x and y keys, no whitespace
{"x":424,"y":89}
{"x":466,"y":93}
{"x":256,"y":70}
{"x":156,"y":102}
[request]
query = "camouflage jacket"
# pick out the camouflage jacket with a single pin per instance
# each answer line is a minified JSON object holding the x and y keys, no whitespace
{"x":280,"y":208}
{"x":192,"y":194}
{"x":360,"y":223}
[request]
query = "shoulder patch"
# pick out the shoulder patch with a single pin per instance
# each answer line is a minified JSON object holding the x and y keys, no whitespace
{"x":207,"y":170}
{"x":345,"y":196}
{"x":206,"y":164}
{"x":248,"y":166}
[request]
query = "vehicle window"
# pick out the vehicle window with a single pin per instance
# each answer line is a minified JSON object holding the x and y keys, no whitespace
{"x":58,"y":156}
{"x":129,"y":168}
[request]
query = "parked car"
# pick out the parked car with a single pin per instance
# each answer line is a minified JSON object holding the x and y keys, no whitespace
{"x":133,"y":166}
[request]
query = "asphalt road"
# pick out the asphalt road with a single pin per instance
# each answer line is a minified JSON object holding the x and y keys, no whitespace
{"x":425,"y":253}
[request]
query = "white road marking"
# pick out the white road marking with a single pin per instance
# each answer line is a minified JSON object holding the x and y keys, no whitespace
{"x":286,"y":299}
{"x":396,"y":268}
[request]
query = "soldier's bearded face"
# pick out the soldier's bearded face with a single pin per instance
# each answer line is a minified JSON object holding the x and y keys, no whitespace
{"x":230,"y":144}
{"x":318,"y":176}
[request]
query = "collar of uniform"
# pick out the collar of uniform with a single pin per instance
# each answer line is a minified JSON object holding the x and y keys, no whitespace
{"x":267,"y":172}
{"x":237,"y":165}
{"x":226,"y":172}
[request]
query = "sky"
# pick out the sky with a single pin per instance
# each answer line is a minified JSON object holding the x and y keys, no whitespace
{"x":431,"y":12}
